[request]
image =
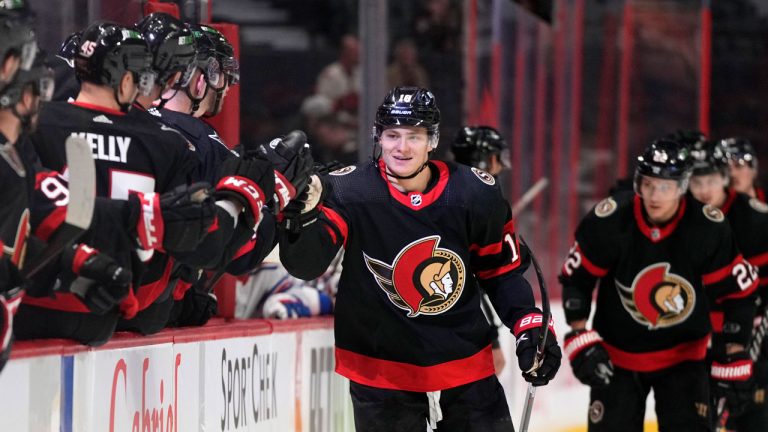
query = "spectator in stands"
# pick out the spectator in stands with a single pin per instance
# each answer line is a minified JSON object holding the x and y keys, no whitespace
{"x":331,"y":138}
{"x":438,"y":26}
{"x":405,"y":69}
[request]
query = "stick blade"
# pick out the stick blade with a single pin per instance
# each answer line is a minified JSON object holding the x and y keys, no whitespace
{"x":82,"y":182}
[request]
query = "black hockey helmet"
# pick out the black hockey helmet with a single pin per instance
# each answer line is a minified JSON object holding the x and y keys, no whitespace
{"x":409,"y":106}
{"x":171,"y":44}
{"x":17,"y":35}
{"x":665,"y":158}
{"x":224,"y":53}
{"x":474,"y":144}
{"x":40,"y":75}
{"x":689,"y":137}
{"x":740,"y":151}
{"x":106,"y":51}
{"x":207,"y":59}
{"x":709,"y":157}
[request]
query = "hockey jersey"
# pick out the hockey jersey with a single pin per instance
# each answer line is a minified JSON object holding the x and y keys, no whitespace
{"x":656,"y":283}
{"x":131,"y":153}
{"x":407,"y":313}
{"x":748,"y":218}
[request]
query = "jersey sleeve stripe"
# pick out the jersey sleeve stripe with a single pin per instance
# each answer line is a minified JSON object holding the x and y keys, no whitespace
{"x":247,"y":247}
{"x":759,"y":260}
{"x":740,"y":294}
{"x":720,"y":274}
{"x":336,"y":220}
{"x":589,"y":266}
{"x":487,"y":274}
{"x":51,"y":223}
{"x":493,"y":248}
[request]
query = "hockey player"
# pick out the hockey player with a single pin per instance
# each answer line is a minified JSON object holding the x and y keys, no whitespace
{"x":419,"y":234}
{"x":484,"y":148}
{"x":661,"y":259}
{"x":743,"y":167}
{"x":132,"y":155}
{"x":748,"y":218}
{"x":481,"y":147}
{"x":17,"y":51}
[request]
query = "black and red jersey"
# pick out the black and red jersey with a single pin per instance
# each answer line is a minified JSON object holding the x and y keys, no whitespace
{"x":656,"y":283}
{"x":407,"y":313}
{"x":748,"y":218}
{"x":131,"y":153}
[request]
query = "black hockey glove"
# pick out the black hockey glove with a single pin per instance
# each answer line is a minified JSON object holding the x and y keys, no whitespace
{"x":248,"y":181}
{"x":175,"y":221}
{"x":293,"y":164}
{"x":527,"y":331}
{"x":196,"y":308}
{"x":589,"y":359}
{"x":732,"y":379}
{"x":97,"y":279}
{"x":303,"y":211}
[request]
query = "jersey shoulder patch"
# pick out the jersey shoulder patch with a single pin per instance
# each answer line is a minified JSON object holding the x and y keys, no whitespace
{"x":606,"y":207}
{"x":758,"y":205}
{"x":713,"y":213}
{"x":343,"y":171}
{"x":484,"y":176}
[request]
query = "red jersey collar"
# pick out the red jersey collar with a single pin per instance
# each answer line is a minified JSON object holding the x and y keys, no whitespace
{"x":94,"y":107}
{"x":654,"y":233}
{"x":728,"y":200}
{"x":418,"y":200}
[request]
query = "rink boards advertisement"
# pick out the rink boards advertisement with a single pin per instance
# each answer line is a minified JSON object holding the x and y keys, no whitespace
{"x":242,"y":376}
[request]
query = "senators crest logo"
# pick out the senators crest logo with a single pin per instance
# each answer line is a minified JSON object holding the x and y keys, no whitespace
{"x":423,"y":279}
{"x":484,"y":176}
{"x":658,"y":298}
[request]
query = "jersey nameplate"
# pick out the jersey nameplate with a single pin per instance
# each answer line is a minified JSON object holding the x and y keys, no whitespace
{"x":106,"y":147}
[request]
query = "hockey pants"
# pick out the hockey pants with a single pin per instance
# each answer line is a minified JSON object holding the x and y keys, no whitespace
{"x":479,"y":406}
{"x":681,"y":393}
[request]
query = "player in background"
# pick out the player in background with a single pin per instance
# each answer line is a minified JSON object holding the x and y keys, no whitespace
{"x":419,"y":236}
{"x":484,"y":148}
{"x":18,"y":48}
{"x":661,"y":258}
{"x":743,"y":167}
{"x":748,"y":218}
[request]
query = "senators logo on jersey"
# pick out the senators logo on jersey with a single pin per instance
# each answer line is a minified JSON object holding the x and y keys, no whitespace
{"x":658,"y":298}
{"x":423,"y":279}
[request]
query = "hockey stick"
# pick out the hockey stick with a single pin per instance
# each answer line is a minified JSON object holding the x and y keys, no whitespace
{"x":547,"y":314}
{"x":530,"y":195}
{"x":82,"y":194}
{"x":754,"y":353}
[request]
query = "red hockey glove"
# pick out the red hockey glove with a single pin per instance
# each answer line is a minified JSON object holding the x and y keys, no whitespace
{"x":293,"y":164}
{"x":175,"y":221}
{"x":732,"y":379}
{"x":589,"y":359}
{"x":527,"y":331}
{"x":99,"y":281}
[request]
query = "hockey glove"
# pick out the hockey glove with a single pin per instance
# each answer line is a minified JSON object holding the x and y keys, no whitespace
{"x":175,"y":221}
{"x":99,"y":281}
{"x":732,"y":379}
{"x":527,"y":331}
{"x":589,"y":359}
{"x":293,"y":164}
{"x":304,"y":210}
{"x":248,"y":181}
{"x":297,"y":302}
{"x":196,"y":308}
